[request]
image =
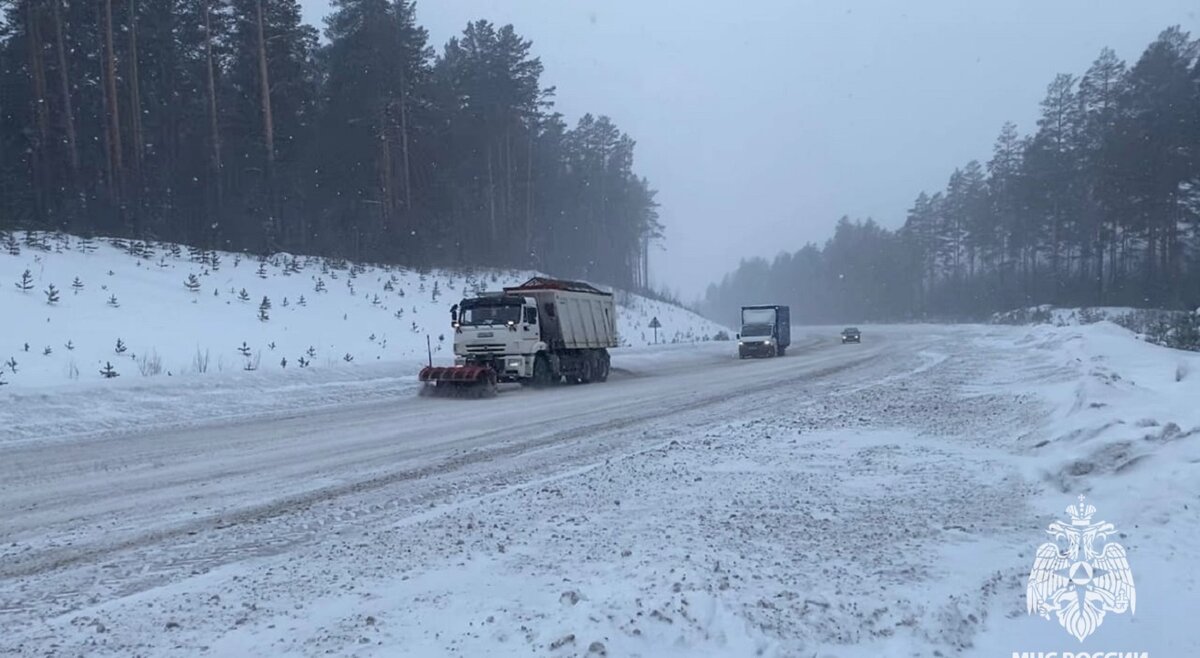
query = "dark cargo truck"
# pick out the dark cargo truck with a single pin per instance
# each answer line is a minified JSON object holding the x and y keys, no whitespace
{"x":766,"y":331}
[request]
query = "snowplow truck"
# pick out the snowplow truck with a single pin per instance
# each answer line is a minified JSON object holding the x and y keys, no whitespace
{"x":541,"y":332}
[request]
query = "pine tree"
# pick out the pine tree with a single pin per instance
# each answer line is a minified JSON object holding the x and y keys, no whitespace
{"x":26,"y":282}
{"x":120,"y":348}
{"x":263,"y":310}
{"x":51,"y":295}
{"x":108,"y":372}
{"x":192,"y":283}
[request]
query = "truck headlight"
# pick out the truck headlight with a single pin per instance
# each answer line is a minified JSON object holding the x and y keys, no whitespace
{"x":767,"y":342}
{"x":514,"y":364}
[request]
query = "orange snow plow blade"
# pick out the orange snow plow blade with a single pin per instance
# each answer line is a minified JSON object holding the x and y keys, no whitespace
{"x":467,"y":381}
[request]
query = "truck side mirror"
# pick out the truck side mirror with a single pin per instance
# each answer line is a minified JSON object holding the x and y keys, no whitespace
{"x":737,"y":336}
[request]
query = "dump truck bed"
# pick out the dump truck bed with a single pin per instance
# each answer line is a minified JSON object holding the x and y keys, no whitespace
{"x":573,"y":315}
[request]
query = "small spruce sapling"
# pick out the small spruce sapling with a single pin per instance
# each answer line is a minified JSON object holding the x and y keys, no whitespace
{"x":271,"y":345}
{"x":120,"y":348}
{"x":302,"y":302}
{"x":47,"y":351}
{"x":262,"y":269}
{"x":243,"y":296}
{"x":26,"y":282}
{"x":112,"y":301}
{"x":192,"y":283}
{"x":436,"y":291}
{"x":264,"y":310}
{"x":108,"y":371}
{"x":283,"y":363}
{"x":284,"y":303}
{"x":303,"y":362}
{"x":347,"y":358}
{"x":312,"y":352}
{"x":11,"y":363}
{"x":244,"y":349}
{"x":77,"y":285}
{"x":320,"y":287}
{"x":51,"y":295}
{"x":70,"y":345}
{"x":375,"y":301}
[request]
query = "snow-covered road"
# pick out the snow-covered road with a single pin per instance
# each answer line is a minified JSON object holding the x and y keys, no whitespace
{"x":868,"y":499}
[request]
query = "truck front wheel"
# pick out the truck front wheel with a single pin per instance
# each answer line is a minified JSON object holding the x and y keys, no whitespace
{"x":541,"y":371}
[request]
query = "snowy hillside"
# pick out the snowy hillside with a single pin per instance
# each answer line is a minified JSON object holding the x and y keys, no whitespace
{"x":72,"y":306}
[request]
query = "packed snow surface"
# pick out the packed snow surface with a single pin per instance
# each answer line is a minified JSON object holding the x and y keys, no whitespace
{"x":882,"y":499}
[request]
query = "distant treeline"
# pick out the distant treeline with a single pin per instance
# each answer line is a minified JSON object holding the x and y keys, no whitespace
{"x":225,"y":123}
{"x":1099,"y":207}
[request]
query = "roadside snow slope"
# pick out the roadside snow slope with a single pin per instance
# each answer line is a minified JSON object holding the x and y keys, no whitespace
{"x":322,"y":314}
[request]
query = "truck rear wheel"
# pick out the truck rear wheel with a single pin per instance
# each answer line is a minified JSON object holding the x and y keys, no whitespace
{"x":605,"y":367}
{"x":587,"y":369}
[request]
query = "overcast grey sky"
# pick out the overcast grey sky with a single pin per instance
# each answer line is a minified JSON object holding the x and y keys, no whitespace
{"x":762,"y":122}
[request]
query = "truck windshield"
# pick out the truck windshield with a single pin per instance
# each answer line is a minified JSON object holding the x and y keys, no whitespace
{"x":758,"y":316}
{"x":491,"y":314}
{"x":757,"y":329}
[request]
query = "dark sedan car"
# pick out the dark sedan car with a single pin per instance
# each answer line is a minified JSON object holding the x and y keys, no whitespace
{"x":851,"y":335}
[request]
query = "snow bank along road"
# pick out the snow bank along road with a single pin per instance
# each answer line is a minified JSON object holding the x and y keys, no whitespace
{"x":871,"y":497}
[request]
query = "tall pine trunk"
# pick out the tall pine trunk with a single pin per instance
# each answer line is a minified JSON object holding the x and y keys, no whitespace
{"x":37,"y":73}
{"x":408,"y":209}
{"x":268,"y":128}
{"x":65,"y":89}
{"x":116,"y":167}
{"x":135,"y":114}
{"x":214,"y":130}
{"x":529,"y":196}
{"x":386,"y":172}
{"x":491,"y":183}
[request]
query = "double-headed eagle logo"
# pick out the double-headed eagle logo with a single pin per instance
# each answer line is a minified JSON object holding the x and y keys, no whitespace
{"x":1073,"y":580}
